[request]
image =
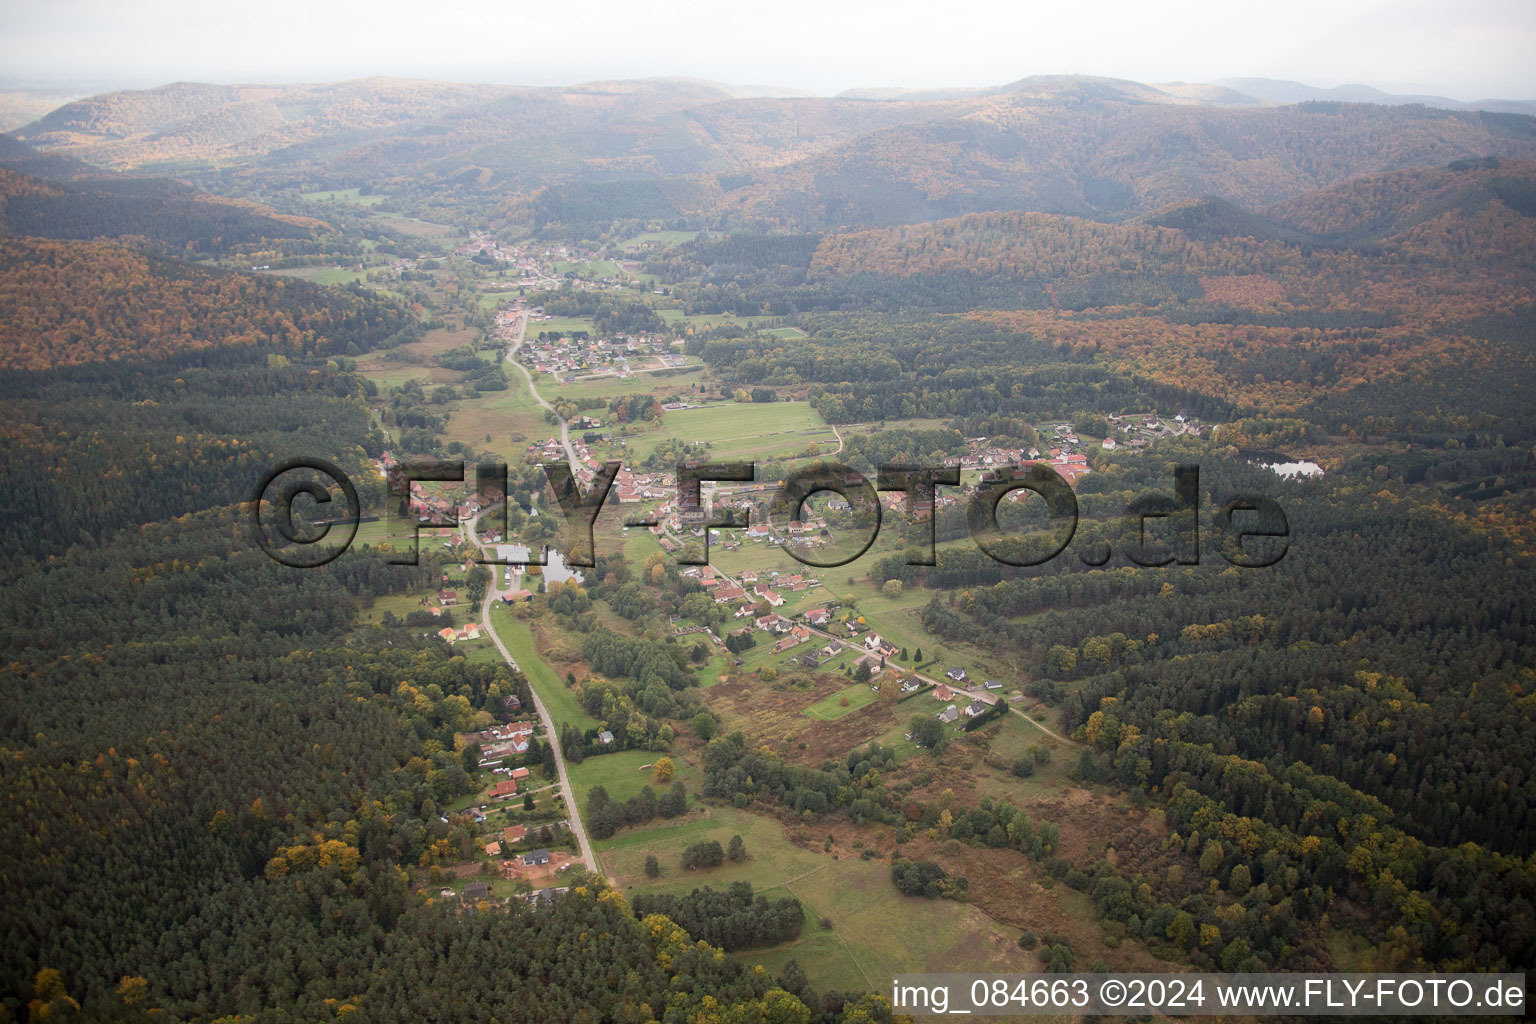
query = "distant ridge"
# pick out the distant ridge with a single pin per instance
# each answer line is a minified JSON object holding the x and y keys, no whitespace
{"x":1275,"y":90}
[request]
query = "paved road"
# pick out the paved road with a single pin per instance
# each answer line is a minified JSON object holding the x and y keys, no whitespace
{"x":565,"y":428}
{"x":493,"y":593}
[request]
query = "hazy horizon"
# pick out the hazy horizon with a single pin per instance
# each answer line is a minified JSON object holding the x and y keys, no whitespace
{"x":1477,"y":52}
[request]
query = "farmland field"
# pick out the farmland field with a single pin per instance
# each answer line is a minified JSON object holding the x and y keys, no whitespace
{"x":742,"y":430}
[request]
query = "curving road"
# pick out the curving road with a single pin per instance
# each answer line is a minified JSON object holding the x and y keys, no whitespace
{"x":493,"y":592}
{"x":565,"y":428}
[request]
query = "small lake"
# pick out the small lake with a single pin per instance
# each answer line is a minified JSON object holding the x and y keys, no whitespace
{"x":557,"y":571}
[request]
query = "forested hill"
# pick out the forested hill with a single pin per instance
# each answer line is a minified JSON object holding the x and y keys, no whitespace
{"x":219,"y":793}
{"x":169,"y":214}
{"x":574,"y":159}
{"x":79,"y":302}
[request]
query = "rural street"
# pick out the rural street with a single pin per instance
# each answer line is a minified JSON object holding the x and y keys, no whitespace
{"x":493,"y":592}
{"x":565,"y":428}
{"x":982,"y":694}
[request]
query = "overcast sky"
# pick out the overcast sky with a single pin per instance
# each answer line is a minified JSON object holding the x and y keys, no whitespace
{"x":1465,"y":49}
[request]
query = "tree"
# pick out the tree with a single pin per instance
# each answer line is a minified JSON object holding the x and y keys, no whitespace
{"x":664,"y":770}
{"x":863,"y":672}
{"x":891,"y":588}
{"x":527,"y":801}
{"x":706,"y":853}
{"x":705,"y":726}
{"x":652,"y":866}
{"x":737,"y":850}
{"x":927,"y":731}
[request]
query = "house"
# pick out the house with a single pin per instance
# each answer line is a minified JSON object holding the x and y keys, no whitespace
{"x":504,"y":790}
{"x":992,"y":684}
{"x":493,"y":849}
{"x":796,"y":637}
{"x":519,"y":774}
{"x":874,"y":661}
{"x":477,"y":891}
{"x":517,"y":596}
{"x":471,"y":631}
{"x":536,"y":858}
{"x":943,"y":694}
{"x":513,"y":834}
{"x":818,"y":616}
{"x":768,"y":594}
{"x":949,"y":714}
{"x":976,"y":708}
{"x":829,"y":651}
{"x":957,"y":674}
{"x":728,"y":593}
{"x":448,"y":634}
{"x":447,"y":598}
{"x":605,"y":737}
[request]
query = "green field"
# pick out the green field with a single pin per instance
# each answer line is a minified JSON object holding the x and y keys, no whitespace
{"x":323,"y":275}
{"x":561,"y":325}
{"x":344,"y":195}
{"x":624,"y":774}
{"x":680,"y":321}
{"x":830,"y":708}
{"x":558,"y":698}
{"x":664,"y":238}
{"x":742,"y":430}
{"x":510,"y":418}
{"x":872,"y":925}
{"x":596,"y":270}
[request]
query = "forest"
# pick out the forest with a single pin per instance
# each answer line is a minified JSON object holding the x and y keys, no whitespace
{"x":206,"y":758}
{"x":233,"y":790}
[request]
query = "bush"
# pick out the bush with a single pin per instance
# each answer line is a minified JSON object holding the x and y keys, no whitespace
{"x":652,"y":866}
{"x":1027,"y":940}
{"x":1024,"y":767}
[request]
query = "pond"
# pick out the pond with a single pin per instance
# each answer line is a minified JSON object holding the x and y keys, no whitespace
{"x":557,"y":571}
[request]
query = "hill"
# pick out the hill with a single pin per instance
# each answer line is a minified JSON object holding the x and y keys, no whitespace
{"x":195,"y":125}
{"x":1109,"y":156}
{"x":169,"y":213}
{"x":71,"y":302}
{"x":1373,"y":208}
{"x":576,"y":158}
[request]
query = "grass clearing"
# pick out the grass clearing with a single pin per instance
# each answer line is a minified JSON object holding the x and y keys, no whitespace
{"x":561,"y":325}
{"x":873,"y":926}
{"x":834,"y":707}
{"x":667,"y":239}
{"x":624,"y":773}
{"x":344,"y":195}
